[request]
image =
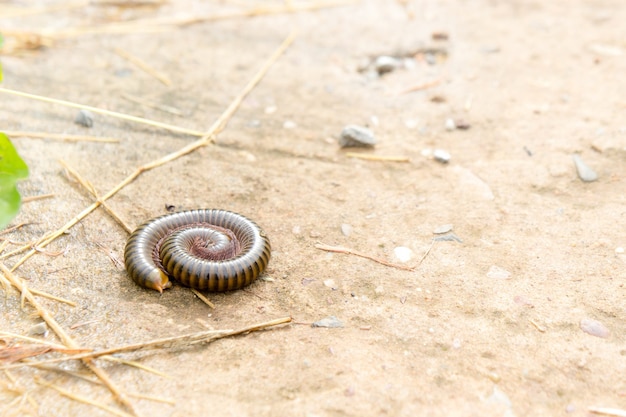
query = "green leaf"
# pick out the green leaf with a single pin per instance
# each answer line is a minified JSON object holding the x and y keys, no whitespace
{"x":12,"y":168}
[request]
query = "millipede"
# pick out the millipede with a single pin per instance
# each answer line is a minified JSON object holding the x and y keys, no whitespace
{"x":215,"y":250}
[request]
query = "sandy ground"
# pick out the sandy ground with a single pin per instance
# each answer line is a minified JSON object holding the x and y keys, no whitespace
{"x":486,"y":325}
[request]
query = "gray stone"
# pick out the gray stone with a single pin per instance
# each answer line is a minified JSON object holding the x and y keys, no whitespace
{"x":356,"y":136}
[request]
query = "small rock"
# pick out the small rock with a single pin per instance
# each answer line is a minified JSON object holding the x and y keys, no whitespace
{"x":39,"y":329}
{"x":441,"y":156}
{"x":619,"y":250}
{"x":403,"y":254}
{"x":585,"y":173}
{"x":296,"y":230}
{"x":594,"y":328}
{"x":385,"y":64}
{"x":450,"y":237}
{"x":356,"y":136}
{"x":346,"y":229}
{"x":379,"y":290}
{"x":330,"y":322}
{"x":289,"y":124}
{"x":498,"y":273}
{"x":450,"y":125}
{"x":330,"y":283}
{"x":84,"y":118}
{"x":444,"y":228}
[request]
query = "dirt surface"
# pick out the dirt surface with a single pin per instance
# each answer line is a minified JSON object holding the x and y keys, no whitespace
{"x":489,"y":324}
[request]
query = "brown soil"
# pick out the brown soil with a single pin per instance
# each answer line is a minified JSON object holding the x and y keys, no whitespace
{"x":536,"y":83}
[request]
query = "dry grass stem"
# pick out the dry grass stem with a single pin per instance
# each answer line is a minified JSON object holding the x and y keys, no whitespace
{"x":105,"y":112}
{"x":13,"y":228}
{"x":65,"y":338}
{"x":384,"y":158}
{"x":90,"y":188}
{"x":135,"y":364}
{"x":206,"y":336}
{"x":51,"y":345}
{"x":58,"y":136}
{"x":143,"y":66}
{"x":37,"y":197}
{"x":153,"y":105}
{"x":82,"y":399}
{"x":607,"y":411}
{"x":341,"y":249}
{"x":420,"y":87}
{"x":6,"y":284}
{"x":203,"y":298}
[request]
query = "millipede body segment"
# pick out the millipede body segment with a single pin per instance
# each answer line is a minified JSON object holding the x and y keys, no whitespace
{"x":215,"y":250}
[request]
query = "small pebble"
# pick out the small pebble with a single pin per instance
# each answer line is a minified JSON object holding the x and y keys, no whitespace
{"x":330,"y":283}
{"x":450,"y":125}
{"x":444,"y":228}
{"x":441,"y":156}
{"x":346,"y":229}
{"x":84,"y":118}
{"x":356,"y":136}
{"x":585,"y":173}
{"x":594,"y":328}
{"x":330,"y":322}
{"x":384,"y":64}
{"x":403,"y":254}
{"x":498,"y":273}
{"x":450,"y":237}
{"x":379,"y":290}
{"x":39,"y":329}
{"x":619,"y":250}
{"x":289,"y":124}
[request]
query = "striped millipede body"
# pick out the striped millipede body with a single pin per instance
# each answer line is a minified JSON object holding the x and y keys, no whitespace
{"x":213,"y":250}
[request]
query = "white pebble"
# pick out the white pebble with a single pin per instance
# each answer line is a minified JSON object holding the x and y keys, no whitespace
{"x":450,"y":125}
{"x":594,"y":328}
{"x":585,"y":172}
{"x":346,"y":229}
{"x":441,"y":155}
{"x":289,"y":124}
{"x":619,"y":250}
{"x":330,"y":283}
{"x":444,"y":228}
{"x":403,"y":254}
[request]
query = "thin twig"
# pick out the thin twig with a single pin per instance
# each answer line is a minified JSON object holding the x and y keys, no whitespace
{"x":203,"y":298}
{"x":207,"y":139}
{"x":90,"y":188}
{"x":37,"y":197}
{"x":105,"y":112}
{"x":384,"y":158}
{"x":206,"y":336}
{"x":143,"y":66}
{"x":342,"y":249}
{"x":607,"y":411}
{"x":65,"y":338}
{"x":420,"y":87}
{"x":58,"y":136}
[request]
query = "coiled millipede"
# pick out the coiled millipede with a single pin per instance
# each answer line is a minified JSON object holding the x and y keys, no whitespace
{"x":213,"y":250}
